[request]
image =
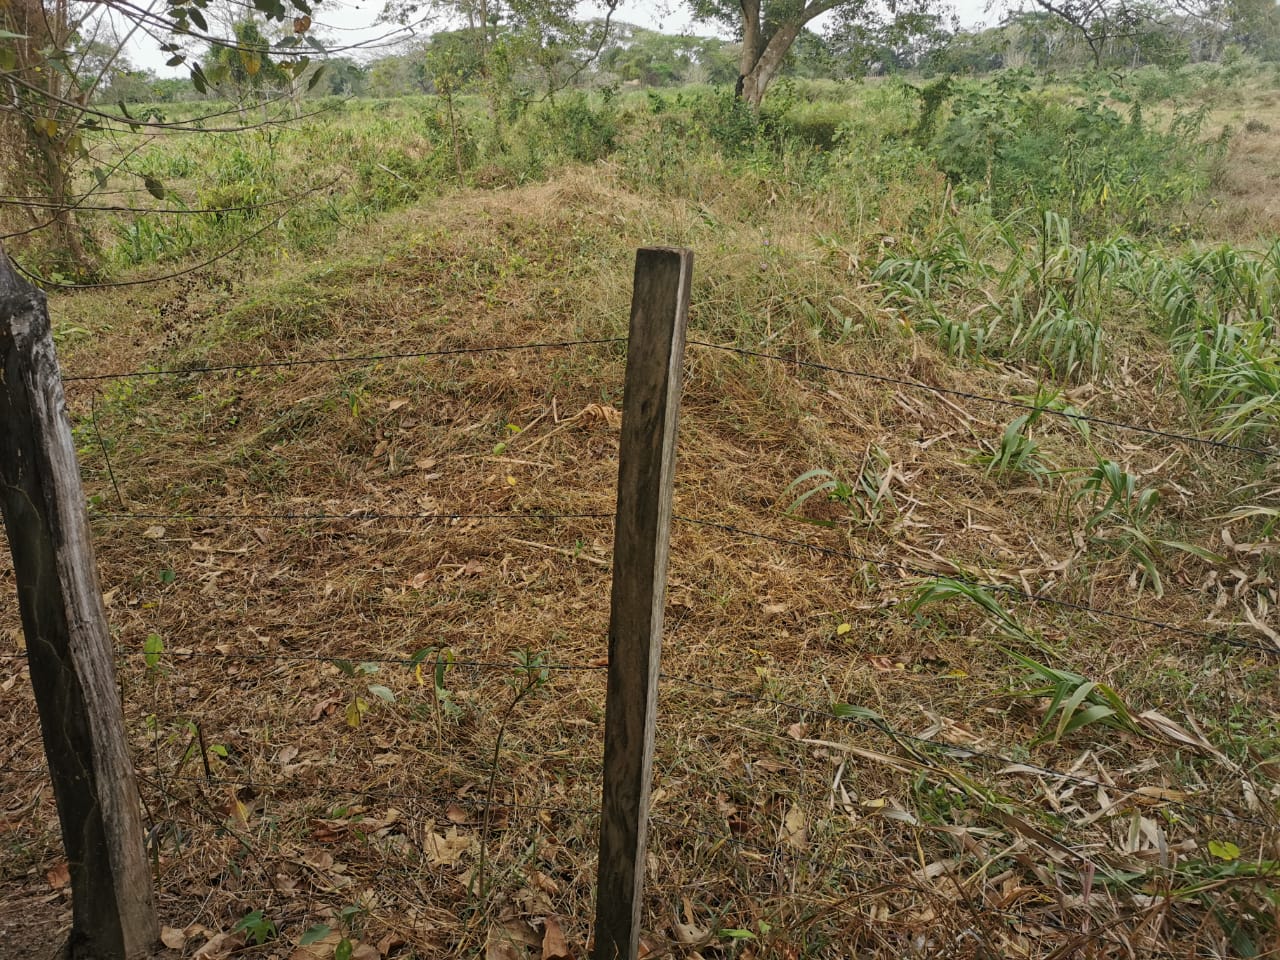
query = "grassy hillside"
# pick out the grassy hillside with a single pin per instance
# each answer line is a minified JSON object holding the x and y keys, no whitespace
{"x":955,"y":665}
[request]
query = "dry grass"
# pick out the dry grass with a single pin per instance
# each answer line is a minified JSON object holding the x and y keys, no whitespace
{"x":821,"y":837}
{"x":1248,"y":194}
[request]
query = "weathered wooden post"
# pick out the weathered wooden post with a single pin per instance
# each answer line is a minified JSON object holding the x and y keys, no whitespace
{"x":68,"y":645}
{"x":646,"y":463}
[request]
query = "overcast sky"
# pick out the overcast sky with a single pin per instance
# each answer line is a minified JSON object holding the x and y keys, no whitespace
{"x":345,"y":22}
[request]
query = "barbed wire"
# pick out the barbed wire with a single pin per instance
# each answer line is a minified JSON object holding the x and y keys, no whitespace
{"x":249,"y":783}
{"x":986,"y":398}
{"x":953,"y":750}
{"x":355,"y":359}
{"x":46,"y":282}
{"x":355,"y":515}
{"x":1000,"y":587}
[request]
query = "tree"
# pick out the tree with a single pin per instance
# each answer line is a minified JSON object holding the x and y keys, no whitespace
{"x":524,"y":49}
{"x":657,"y":59}
{"x":245,"y":70}
{"x":58,"y":58}
{"x":1100,"y":23}
{"x":40,"y":115}
{"x":769,"y":28}
{"x":344,"y":77}
{"x":1255,"y":26}
{"x":1130,"y":32}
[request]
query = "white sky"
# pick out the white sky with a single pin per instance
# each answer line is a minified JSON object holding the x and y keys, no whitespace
{"x":344,"y":22}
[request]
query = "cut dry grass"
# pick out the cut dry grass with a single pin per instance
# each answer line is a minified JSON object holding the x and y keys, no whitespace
{"x":835,"y":774}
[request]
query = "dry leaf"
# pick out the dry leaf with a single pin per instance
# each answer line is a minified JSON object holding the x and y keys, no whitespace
{"x":58,"y":876}
{"x":397,"y":403}
{"x":320,"y":859}
{"x":508,"y":940}
{"x":446,"y":851}
{"x":1160,"y":724}
{"x":389,"y":943}
{"x":321,"y":949}
{"x":515,"y":931}
{"x":324,"y":708}
{"x":793,"y":832}
{"x":554,"y":946}
{"x":457,"y":813}
{"x":153,"y":533}
{"x":689,"y":934}
{"x":217,"y":947}
{"x":546,"y":884}
{"x":173,"y":938}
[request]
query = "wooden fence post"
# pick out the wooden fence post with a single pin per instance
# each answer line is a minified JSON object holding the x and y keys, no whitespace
{"x":68,"y":645}
{"x":646,"y":463}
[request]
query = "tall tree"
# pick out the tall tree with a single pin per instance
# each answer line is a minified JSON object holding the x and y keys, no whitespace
{"x":769,"y":28}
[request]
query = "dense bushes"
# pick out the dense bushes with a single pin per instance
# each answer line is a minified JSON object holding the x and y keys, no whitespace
{"x":1013,"y":147}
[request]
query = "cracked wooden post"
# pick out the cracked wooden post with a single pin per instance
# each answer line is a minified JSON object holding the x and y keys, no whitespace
{"x":68,"y":644}
{"x":646,"y":463}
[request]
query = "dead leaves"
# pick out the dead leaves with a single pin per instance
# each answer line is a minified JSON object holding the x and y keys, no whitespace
{"x":518,"y":938}
{"x":554,"y":945}
{"x":59,"y":876}
{"x":173,"y":938}
{"x":794,"y":831}
{"x":447,"y":850}
{"x":333,"y":946}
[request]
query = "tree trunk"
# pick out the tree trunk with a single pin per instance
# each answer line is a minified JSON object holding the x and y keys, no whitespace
{"x":751,"y":43}
{"x":757,"y":76}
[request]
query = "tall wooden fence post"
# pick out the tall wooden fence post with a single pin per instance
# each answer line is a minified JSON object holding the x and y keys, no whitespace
{"x":68,"y":645}
{"x":646,"y":463}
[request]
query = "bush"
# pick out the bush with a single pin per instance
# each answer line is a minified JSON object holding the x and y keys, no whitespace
{"x":571,"y":129}
{"x":1018,"y":149}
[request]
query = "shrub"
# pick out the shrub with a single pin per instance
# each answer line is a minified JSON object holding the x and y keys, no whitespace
{"x":1017,"y":149}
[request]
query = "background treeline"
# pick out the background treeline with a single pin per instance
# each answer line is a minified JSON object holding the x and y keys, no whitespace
{"x":633,"y":56}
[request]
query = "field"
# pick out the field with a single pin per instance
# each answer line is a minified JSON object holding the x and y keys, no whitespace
{"x":971,"y":630}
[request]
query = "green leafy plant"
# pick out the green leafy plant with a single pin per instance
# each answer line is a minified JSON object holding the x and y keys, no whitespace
{"x":1066,"y":341}
{"x":1121,"y":518}
{"x":443,"y":705}
{"x":256,"y":927}
{"x":957,"y":338}
{"x":867,"y":497}
{"x":941,"y":589}
{"x":358,"y":706}
{"x":152,"y":651}
{"x":1075,"y":701}
{"x":1017,"y":451}
{"x":529,"y":675}
{"x":344,"y":948}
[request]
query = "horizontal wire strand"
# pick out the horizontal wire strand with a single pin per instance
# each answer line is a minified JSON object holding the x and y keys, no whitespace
{"x":986,"y":398}
{"x":354,"y":359}
{"x":1003,"y":588}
